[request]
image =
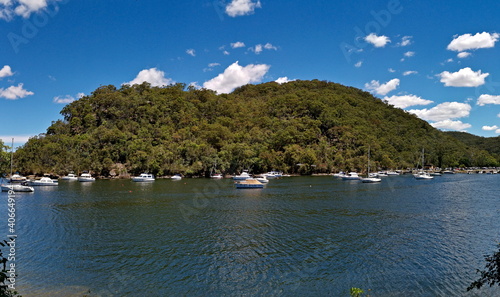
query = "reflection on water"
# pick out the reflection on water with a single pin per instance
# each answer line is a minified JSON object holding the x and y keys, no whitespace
{"x":300,"y":236}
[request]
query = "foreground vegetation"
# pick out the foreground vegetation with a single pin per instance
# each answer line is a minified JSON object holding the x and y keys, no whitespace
{"x":298,"y":127}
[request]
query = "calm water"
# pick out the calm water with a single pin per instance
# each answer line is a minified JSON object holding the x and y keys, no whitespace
{"x":299,"y":236}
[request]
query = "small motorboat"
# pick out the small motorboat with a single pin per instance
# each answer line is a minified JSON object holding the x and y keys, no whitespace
{"x":243,"y":176}
{"x":176,"y":177}
{"x":70,"y":176}
{"x":86,"y":177}
{"x":44,"y":181}
{"x":351,"y":176}
{"x":144,"y":177}
{"x":17,"y":188}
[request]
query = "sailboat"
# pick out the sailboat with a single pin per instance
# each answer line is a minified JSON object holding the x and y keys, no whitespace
{"x":369,"y":179}
{"x":15,"y":187}
{"x":422,"y":174}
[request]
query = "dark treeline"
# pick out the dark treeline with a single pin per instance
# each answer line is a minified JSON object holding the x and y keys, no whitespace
{"x":298,"y":127}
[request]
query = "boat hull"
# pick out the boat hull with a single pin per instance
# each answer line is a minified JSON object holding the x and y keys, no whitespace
{"x":17,"y":188}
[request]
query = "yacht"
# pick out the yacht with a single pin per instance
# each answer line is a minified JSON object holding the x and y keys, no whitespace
{"x":144,"y":177}
{"x":44,"y":181}
{"x":70,"y":176}
{"x":86,"y":177}
{"x":243,"y":176}
{"x":351,"y":176}
{"x":176,"y":177}
{"x":16,"y":188}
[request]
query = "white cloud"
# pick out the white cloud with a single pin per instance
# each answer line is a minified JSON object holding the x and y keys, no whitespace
{"x":406,"y":101}
{"x":391,"y":70}
{"x":409,"y":54}
{"x":284,"y":79}
{"x":213,"y":64}
{"x":195,"y":85}
{"x":405,"y":41}
{"x":488,"y":99}
{"x":67,"y":98}
{"x":497,"y":131}
{"x":465,"y":77}
{"x":191,"y":52}
{"x":63,"y":99}
{"x":462,"y":55}
{"x":24,"y":8}
{"x":498,"y":115}
{"x":237,"y":44}
{"x":444,"y":111}
{"x":410,"y":72}
{"x":235,"y":76}
{"x":241,"y":7}
{"x":6,"y":71}
{"x":357,"y":65}
{"x":490,"y":128}
{"x":153,"y":76}
{"x":14,"y":93}
{"x":269,"y":46}
{"x":451,"y":125}
{"x":377,"y":41}
{"x":382,"y":89}
{"x":226,"y":53}
{"x":211,"y":67}
{"x":468,"y":41}
{"x":259,"y":48}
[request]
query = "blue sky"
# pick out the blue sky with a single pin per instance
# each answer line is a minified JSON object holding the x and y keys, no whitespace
{"x":437,"y":59}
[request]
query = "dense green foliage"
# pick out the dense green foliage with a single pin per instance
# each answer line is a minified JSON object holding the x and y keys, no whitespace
{"x":4,"y":158}
{"x":297,"y":127}
{"x":490,"y":144}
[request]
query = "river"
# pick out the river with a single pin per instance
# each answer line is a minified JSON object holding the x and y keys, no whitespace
{"x":298,"y":236}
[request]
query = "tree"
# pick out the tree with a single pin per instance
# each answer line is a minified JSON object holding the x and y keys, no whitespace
{"x":491,"y":275}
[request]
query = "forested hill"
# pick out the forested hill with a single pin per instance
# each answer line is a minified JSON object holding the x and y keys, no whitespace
{"x":490,"y":144}
{"x":296,"y":127}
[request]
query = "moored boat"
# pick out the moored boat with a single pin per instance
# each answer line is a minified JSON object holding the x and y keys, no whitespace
{"x":176,"y":177}
{"x":86,"y":177}
{"x":44,"y":181}
{"x":243,"y":176}
{"x":70,"y":176}
{"x":351,"y":176}
{"x":17,"y":188}
{"x":144,"y":177}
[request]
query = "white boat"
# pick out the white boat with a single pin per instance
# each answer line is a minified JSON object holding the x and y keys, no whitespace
{"x":70,"y":176}
{"x":370,"y":178}
{"x":392,"y":173}
{"x":339,"y":174}
{"x":249,"y":183}
{"x":269,"y":175}
{"x":144,"y":177}
{"x":17,"y":178}
{"x":262,"y":179}
{"x":243,"y":176}
{"x":351,"y":176}
{"x":217,"y":176}
{"x":17,"y":188}
{"x":86,"y":177}
{"x":44,"y":181}
{"x":176,"y":177}
{"x":382,"y":174}
{"x":422,"y":174}
{"x":435,"y":173}
{"x":21,"y":185}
